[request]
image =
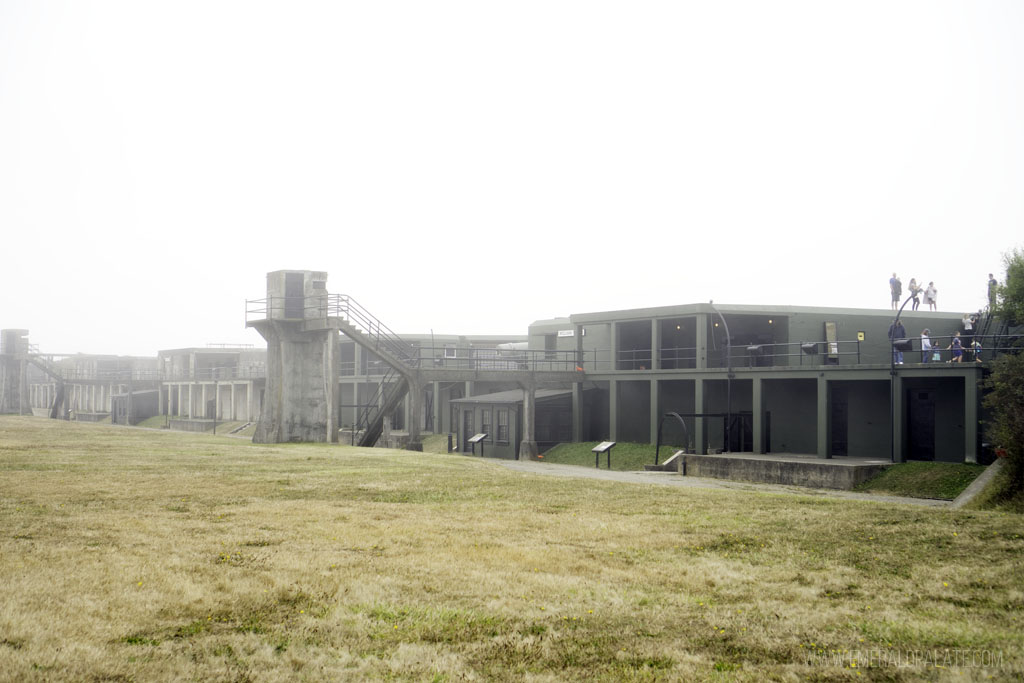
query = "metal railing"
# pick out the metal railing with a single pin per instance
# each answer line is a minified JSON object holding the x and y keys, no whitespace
{"x":977,"y":348}
{"x":127,"y":375}
{"x":496,"y":359}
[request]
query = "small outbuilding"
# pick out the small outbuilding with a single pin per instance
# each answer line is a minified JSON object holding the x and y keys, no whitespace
{"x":500,"y":417}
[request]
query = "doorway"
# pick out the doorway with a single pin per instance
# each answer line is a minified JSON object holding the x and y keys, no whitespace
{"x":840,"y":420}
{"x":921,"y":427}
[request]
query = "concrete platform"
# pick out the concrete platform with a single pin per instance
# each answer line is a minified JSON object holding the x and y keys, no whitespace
{"x":786,"y":469}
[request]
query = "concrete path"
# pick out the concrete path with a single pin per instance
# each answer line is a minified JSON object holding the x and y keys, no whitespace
{"x":673,"y":479}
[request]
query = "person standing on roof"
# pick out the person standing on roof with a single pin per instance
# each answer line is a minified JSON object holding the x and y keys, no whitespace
{"x":930,"y":295}
{"x":896,"y":289}
{"x":915,"y":291}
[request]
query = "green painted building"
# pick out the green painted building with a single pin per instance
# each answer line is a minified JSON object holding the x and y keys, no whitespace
{"x":762,"y":379}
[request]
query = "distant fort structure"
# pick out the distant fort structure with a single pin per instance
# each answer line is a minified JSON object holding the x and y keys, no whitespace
{"x":776,"y":382}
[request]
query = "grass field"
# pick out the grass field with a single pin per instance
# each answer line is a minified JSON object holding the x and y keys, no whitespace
{"x":131,"y":554}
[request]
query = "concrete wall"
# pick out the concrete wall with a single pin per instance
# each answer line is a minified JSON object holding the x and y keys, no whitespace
{"x":301,"y":386}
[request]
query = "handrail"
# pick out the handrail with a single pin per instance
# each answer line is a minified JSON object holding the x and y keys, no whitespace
{"x":371,"y":410}
{"x":347,"y":308}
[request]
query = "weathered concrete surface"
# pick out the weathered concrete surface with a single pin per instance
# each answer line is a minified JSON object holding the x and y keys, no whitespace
{"x":791,"y":470}
{"x":302,"y":378}
{"x":675,"y":463}
{"x":979,"y":484}
{"x":190,"y":425}
{"x":672,"y":479}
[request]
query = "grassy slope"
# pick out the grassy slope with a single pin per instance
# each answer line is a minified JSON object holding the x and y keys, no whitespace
{"x":134,"y":554}
{"x":1005,"y":492}
{"x":627,"y":457}
{"x":941,"y":480}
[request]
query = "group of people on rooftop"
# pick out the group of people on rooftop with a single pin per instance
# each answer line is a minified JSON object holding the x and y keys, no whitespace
{"x":933,"y":353}
{"x":930,"y":293}
{"x":961,"y":340}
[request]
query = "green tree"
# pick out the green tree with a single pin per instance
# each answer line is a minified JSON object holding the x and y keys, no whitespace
{"x":1005,"y":391}
{"x":1010,"y":297}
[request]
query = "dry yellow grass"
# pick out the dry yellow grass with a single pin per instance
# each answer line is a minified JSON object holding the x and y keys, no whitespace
{"x":148,"y":555}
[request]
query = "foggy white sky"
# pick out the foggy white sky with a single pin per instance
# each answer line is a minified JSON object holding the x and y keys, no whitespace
{"x":470,"y":167}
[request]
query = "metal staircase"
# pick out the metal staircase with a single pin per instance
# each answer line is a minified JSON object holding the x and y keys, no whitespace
{"x":392,"y":389}
{"x":370,"y":333}
{"x":47,"y":366}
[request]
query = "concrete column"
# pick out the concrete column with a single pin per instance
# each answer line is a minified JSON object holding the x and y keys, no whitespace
{"x":331,"y":393}
{"x":437,"y":414}
{"x":970,"y":418}
{"x":614,"y":338}
{"x":702,"y":342}
{"x":190,"y":401}
{"x":699,"y":428}
{"x":824,"y":403}
{"x":414,"y":415}
{"x":528,"y":446}
{"x":580,"y":360}
{"x":613,"y":410}
{"x":899,"y":455}
{"x":655,"y":410}
{"x":760,"y":442}
{"x":577,"y":412}
{"x":655,"y":346}
{"x":469,"y":390}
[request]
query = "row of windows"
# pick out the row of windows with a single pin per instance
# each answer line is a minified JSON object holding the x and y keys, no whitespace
{"x":495,"y":433}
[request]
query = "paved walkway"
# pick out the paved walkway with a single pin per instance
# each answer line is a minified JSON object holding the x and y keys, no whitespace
{"x":673,"y":479}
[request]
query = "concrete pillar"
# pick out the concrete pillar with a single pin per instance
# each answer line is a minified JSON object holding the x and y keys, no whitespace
{"x":702,"y":342}
{"x":302,"y":384}
{"x":614,"y":338}
{"x":760,"y":433}
{"x":577,"y":412}
{"x":435,"y":407}
{"x":580,"y":360}
{"x":613,"y":410}
{"x":824,"y":433}
{"x":413,"y":415}
{"x":970,"y":418}
{"x":655,"y":347}
{"x":655,"y":410}
{"x":896,"y":418}
{"x":699,"y":428}
{"x":528,"y":446}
